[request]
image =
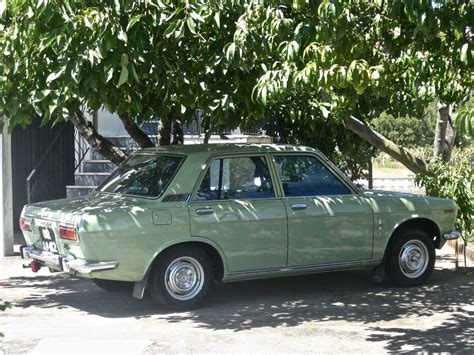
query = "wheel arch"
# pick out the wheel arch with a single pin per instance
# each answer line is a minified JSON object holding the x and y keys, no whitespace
{"x":215,"y":254}
{"x":424,"y":224}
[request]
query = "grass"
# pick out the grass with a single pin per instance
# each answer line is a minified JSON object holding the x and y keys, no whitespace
{"x":391,"y":169}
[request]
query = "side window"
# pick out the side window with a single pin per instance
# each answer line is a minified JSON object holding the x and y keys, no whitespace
{"x":236,"y":178}
{"x":303,"y":175}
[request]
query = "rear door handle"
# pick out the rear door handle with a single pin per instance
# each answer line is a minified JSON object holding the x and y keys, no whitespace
{"x":298,"y":206}
{"x":204,"y":211}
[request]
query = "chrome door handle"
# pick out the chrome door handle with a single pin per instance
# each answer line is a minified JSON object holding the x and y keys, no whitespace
{"x":203,"y":211}
{"x":298,"y":206}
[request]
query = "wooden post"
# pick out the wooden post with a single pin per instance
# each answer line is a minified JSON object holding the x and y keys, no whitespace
{"x":456,"y":254}
{"x":95,"y":120}
{"x":371,"y":175}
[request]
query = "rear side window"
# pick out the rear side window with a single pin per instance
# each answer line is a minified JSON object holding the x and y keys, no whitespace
{"x":142,"y":175}
{"x":303,"y":175}
{"x":236,"y":178}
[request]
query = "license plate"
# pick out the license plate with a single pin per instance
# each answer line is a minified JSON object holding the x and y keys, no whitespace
{"x":48,"y":240}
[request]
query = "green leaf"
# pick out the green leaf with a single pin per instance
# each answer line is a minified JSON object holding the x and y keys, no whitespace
{"x":41,"y":95}
{"x":3,"y":7}
{"x":230,"y":52}
{"x":263,"y":95}
{"x":123,"y":76}
{"x":65,"y":113}
{"x":464,"y":50}
{"x":110,"y":74}
{"x":324,"y":111}
{"x":53,"y":76}
{"x":217,"y":18}
{"x":196,"y":16}
{"x":171,"y":28}
{"x":134,"y":74}
{"x":191,"y":24}
{"x":124,"y":60}
{"x":122,"y":36}
{"x":133,"y":21}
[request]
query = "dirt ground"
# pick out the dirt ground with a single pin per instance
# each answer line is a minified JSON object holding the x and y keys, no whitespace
{"x":340,"y":312}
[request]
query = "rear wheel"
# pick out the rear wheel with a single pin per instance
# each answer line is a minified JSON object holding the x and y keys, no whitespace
{"x":411,"y":258}
{"x":182,"y":278}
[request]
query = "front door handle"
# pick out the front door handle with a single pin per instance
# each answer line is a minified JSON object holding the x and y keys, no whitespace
{"x":204,"y":211}
{"x":298,"y":206}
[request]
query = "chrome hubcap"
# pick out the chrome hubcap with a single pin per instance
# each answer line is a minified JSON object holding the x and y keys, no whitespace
{"x":184,"y":278}
{"x":413,"y":259}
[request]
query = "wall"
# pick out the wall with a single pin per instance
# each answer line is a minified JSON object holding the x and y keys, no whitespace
{"x":29,"y":147}
{"x":110,"y":125}
{"x":6,"y":220}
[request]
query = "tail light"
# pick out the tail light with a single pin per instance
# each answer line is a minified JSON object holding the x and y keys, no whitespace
{"x":68,"y":233}
{"x":26,"y":224}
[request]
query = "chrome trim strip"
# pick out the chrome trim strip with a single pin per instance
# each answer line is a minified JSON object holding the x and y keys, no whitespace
{"x":67,"y":264}
{"x":306,"y":267}
{"x":451,"y":235}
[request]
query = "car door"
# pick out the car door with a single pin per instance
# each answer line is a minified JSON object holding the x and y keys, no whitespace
{"x":327,"y":221}
{"x":235,"y":206}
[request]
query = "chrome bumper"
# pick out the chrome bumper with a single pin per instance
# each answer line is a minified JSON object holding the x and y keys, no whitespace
{"x":451,"y":235}
{"x":65,"y":263}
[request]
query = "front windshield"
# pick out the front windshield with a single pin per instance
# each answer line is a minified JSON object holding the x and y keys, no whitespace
{"x":142,"y":175}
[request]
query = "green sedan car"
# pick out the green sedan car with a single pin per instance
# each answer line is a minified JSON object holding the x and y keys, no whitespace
{"x":173,"y":220}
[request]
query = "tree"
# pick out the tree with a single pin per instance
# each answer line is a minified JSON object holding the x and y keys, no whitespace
{"x":139,"y":59}
{"x":354,"y":60}
{"x":408,"y":131}
{"x":307,"y":66}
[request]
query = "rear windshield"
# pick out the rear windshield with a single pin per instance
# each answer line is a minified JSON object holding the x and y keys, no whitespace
{"x":142,"y":175}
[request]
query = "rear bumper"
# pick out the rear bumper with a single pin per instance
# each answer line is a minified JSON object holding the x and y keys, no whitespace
{"x":65,"y":263}
{"x":451,"y":235}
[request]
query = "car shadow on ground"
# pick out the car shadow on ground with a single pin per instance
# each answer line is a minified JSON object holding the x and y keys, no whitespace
{"x":342,"y":296}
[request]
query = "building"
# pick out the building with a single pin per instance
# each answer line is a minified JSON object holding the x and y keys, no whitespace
{"x":44,"y":163}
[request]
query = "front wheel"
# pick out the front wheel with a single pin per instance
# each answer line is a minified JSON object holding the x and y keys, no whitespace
{"x":411,"y":258}
{"x":182,"y":278}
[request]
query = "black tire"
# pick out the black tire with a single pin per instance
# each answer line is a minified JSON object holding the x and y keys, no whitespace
{"x":193,"y":278}
{"x":113,"y":286}
{"x":410,"y":258}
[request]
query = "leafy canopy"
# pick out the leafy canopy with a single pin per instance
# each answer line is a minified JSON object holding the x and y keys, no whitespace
{"x":143,"y":58}
{"x":302,"y":66}
{"x":358,"y":57}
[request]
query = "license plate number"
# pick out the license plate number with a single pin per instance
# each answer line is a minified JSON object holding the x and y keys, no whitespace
{"x":48,"y":240}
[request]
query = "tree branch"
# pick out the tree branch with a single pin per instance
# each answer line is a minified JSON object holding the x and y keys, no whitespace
{"x":164,"y":130}
{"x":97,"y":142}
{"x":415,"y":164}
{"x":135,"y":132}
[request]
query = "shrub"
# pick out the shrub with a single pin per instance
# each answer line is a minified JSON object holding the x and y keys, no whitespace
{"x":454,"y":180}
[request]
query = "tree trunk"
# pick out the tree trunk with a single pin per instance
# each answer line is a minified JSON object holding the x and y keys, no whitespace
{"x":97,"y":142}
{"x":178,"y":134}
{"x":206,"y":125}
{"x":415,"y":164}
{"x":449,"y":140}
{"x":135,"y":132}
{"x":164,"y":130}
{"x":440,"y":130}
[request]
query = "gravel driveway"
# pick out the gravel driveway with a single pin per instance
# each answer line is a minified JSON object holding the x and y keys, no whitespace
{"x":325,"y":313}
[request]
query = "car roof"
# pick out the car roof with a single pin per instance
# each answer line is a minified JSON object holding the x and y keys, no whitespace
{"x":227,"y":148}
